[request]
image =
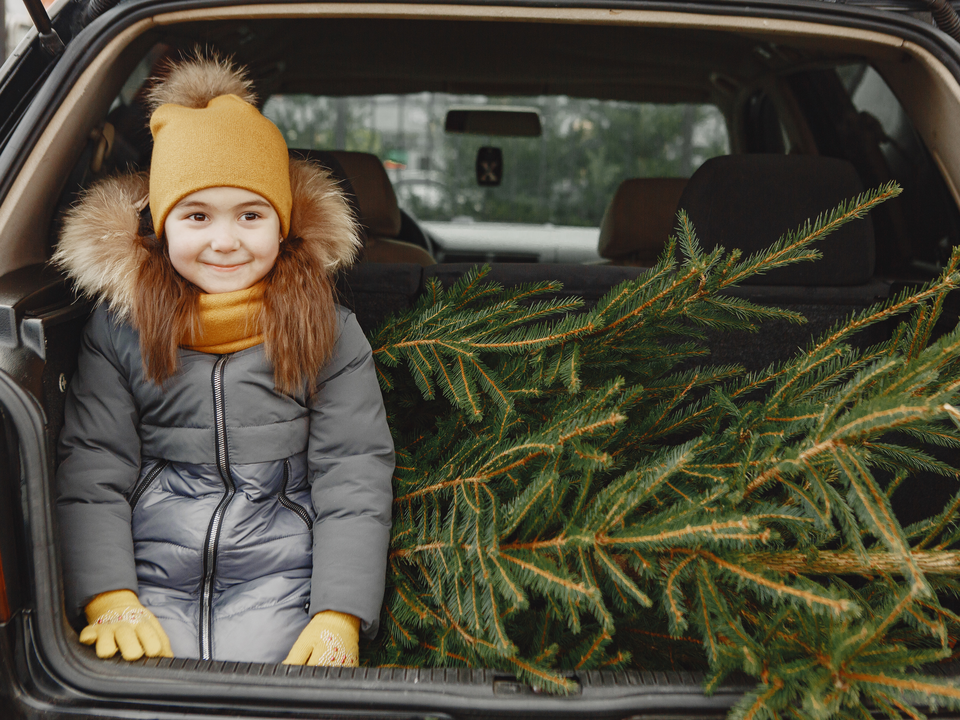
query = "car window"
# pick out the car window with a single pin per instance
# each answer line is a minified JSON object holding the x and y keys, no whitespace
{"x":869,"y":93}
{"x":929,"y":215}
{"x":554,"y":187}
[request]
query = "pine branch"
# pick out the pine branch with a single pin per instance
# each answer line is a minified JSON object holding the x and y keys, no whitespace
{"x":844,"y":562}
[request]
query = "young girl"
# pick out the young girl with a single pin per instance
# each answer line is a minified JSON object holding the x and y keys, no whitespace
{"x":224,"y":486}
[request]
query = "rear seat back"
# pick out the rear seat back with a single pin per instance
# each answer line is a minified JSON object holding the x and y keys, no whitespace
{"x":376,"y":290}
{"x":639,"y":219}
{"x":363,"y":176}
{"x":747,"y":202}
{"x":589,"y":282}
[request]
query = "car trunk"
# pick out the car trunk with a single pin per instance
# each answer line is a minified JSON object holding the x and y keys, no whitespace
{"x":45,"y":669}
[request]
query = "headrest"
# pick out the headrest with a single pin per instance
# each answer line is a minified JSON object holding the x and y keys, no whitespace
{"x":638,"y":220}
{"x":374,"y":198}
{"x":748,"y":201}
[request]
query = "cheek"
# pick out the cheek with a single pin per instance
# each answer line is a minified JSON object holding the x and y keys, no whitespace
{"x":267,"y":246}
{"x":267,"y":255}
{"x":179,"y":264}
{"x":181,"y":251}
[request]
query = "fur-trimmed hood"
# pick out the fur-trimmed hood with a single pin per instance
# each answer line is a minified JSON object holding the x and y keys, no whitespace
{"x":102,"y":246}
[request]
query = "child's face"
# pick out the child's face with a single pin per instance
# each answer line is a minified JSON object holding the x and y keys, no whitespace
{"x":223,"y":239}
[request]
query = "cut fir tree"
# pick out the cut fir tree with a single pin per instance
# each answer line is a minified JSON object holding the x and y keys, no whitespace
{"x":579,"y":489}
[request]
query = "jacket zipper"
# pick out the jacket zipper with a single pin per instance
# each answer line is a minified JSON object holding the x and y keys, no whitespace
{"x":290,"y":504}
{"x":140,"y":489}
{"x":213,"y":532}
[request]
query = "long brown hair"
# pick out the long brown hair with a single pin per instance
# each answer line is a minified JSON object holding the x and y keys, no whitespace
{"x":298,"y":322}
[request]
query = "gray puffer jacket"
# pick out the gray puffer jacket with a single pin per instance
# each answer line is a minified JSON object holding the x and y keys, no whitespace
{"x":234,"y":511}
{"x":203,"y":495}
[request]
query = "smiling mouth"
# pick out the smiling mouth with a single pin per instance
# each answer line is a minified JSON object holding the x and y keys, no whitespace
{"x":223,"y":268}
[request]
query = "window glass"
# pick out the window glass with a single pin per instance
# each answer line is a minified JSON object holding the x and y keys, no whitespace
{"x":564,"y":177}
{"x":871,"y":95}
{"x":924,"y":218}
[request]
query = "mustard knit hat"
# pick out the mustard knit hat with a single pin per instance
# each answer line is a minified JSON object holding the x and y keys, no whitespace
{"x":226,"y":143}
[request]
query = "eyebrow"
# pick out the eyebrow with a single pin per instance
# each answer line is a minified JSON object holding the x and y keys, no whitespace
{"x":253,"y":203}
{"x":200,"y":205}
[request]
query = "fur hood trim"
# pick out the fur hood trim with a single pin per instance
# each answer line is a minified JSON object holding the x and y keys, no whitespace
{"x":101,"y":247}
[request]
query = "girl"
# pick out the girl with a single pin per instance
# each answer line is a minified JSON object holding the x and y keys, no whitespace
{"x":224,"y":487}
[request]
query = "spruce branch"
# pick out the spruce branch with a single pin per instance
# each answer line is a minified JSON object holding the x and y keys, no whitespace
{"x":579,"y":496}
{"x":844,"y":562}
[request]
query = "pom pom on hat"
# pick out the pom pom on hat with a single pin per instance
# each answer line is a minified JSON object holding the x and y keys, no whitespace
{"x":197,"y":80}
{"x":207,"y":133}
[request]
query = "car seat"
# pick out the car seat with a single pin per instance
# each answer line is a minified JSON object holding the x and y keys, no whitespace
{"x":638,"y":220}
{"x":748,"y":202}
{"x":364,"y":179}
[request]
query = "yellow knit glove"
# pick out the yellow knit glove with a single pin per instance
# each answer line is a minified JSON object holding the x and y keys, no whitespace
{"x":330,"y":638}
{"x":118,"y":619}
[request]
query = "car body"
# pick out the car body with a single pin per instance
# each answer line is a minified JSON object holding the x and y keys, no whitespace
{"x":874,"y":83}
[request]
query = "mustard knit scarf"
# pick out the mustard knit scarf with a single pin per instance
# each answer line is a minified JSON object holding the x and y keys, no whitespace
{"x":229,"y":322}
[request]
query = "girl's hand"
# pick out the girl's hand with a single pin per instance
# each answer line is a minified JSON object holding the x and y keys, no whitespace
{"x":117,"y":619}
{"x":331,"y":638}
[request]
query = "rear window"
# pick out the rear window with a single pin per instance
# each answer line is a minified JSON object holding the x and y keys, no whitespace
{"x":554,"y":187}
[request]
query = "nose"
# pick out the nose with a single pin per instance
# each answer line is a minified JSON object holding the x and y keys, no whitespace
{"x":223,"y":238}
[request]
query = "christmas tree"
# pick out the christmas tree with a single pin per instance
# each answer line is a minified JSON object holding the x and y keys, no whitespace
{"x":580,"y":489}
